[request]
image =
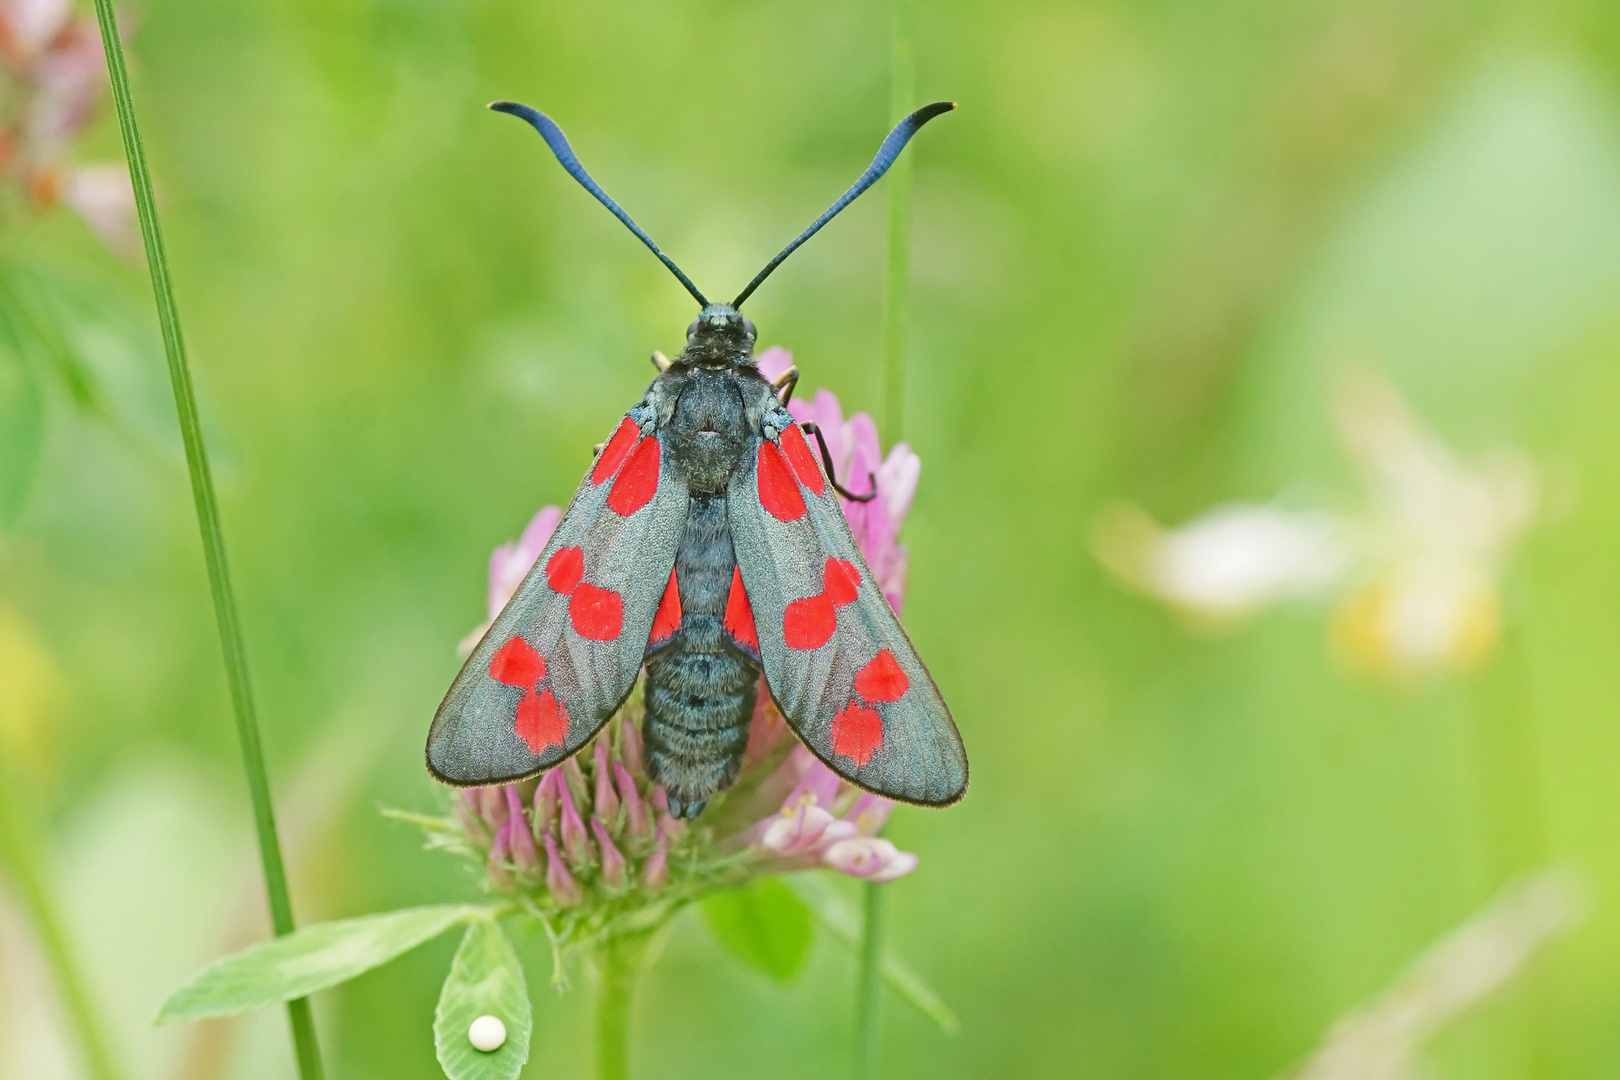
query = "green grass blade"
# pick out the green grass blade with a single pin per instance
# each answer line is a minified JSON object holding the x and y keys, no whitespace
{"x":902,"y":88}
{"x":21,"y":859}
{"x":202,"y":490}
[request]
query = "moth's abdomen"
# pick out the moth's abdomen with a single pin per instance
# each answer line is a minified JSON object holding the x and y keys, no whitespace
{"x":700,"y":690}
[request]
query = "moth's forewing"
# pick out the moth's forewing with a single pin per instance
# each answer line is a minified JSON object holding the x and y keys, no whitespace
{"x":861,"y":700}
{"x":565,"y":651}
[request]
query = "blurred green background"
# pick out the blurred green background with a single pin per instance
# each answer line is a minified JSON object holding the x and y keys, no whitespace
{"x":1142,"y":248}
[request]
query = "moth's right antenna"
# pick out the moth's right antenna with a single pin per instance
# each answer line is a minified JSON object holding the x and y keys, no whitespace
{"x":555,"y":139}
{"x":892,"y":145}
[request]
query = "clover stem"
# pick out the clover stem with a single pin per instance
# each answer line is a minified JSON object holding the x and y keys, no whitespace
{"x":869,"y":988}
{"x":619,"y":965}
{"x":213,"y":540}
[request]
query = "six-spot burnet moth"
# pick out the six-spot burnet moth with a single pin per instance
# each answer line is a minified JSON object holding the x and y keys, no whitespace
{"x":706,"y":543}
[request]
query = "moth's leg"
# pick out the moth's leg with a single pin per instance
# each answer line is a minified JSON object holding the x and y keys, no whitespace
{"x":660,"y":361}
{"x":811,"y":428}
{"x":785,"y":383}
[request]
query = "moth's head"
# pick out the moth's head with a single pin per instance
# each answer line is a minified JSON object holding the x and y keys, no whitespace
{"x":720,"y":335}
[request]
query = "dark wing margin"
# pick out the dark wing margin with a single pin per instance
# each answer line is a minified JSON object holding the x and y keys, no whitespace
{"x":837,"y":661}
{"x":564,"y":653}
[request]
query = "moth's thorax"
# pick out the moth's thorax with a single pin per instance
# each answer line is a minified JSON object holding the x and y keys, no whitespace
{"x":709,"y":429}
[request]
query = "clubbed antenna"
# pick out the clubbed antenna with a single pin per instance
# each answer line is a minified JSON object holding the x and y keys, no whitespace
{"x":555,"y":139}
{"x":886,"y":155}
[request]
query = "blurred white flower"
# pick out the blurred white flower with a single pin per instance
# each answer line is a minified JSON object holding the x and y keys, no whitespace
{"x":1228,"y":561}
{"x":1414,"y":571}
{"x":1379,"y":1040}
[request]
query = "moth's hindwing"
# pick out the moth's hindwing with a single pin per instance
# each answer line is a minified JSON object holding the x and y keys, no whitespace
{"x":562,"y":655}
{"x":837,"y":661}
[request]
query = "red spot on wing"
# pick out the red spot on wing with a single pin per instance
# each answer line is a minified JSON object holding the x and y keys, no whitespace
{"x":564,"y":569}
{"x":778,"y":492}
{"x":839,"y":581}
{"x":857,"y":733}
{"x":668,"y":618}
{"x":809,"y":623}
{"x":882,"y":679}
{"x":597,"y":613}
{"x":542,"y":722}
{"x":740,"y":614}
{"x":638,"y":483}
{"x":517,"y":664}
{"x":802,"y":460}
{"x":614,"y":453}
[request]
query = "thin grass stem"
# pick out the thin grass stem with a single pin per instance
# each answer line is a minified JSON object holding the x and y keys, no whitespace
{"x":902,"y":88}
{"x":213,"y":540}
{"x":20,"y":855}
{"x":1513,"y":808}
{"x":901,"y":91}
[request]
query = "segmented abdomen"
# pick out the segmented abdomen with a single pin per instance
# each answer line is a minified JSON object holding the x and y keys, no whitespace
{"x":700,"y":690}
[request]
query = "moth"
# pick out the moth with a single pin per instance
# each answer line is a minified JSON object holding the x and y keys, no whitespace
{"x":706,"y":544}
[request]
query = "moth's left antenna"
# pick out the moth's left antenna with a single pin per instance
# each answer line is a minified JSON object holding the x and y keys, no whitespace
{"x":555,"y":139}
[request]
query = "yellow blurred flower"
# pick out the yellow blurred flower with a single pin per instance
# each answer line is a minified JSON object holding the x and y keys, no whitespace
{"x":1413,"y":574}
{"x":32,"y":693}
{"x":1434,"y":539}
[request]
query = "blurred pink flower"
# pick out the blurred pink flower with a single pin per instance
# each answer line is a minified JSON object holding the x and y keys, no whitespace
{"x":26,"y":26}
{"x":55,"y":71}
{"x":68,"y":77}
{"x":509,"y":564}
{"x":102,"y":196}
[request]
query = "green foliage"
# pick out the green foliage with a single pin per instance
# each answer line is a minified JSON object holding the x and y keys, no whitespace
{"x":765,"y":925}
{"x":485,"y":980}
{"x":64,"y":338}
{"x":22,"y":420}
{"x":310,"y":959}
